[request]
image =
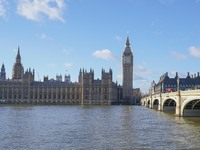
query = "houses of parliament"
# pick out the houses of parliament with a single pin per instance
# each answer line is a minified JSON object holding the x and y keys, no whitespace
{"x":23,"y":89}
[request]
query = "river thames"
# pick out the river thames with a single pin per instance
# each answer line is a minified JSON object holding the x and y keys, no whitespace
{"x":95,"y":127}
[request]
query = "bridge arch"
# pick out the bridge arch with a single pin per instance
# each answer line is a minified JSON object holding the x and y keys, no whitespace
{"x":169,"y":105}
{"x":155,"y":104}
{"x":191,"y":107}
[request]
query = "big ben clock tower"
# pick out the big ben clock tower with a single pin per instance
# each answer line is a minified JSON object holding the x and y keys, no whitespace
{"x":127,"y":63}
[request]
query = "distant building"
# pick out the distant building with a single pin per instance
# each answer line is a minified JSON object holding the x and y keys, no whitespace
{"x":167,"y":84}
{"x":127,"y":63}
{"x":67,"y":78}
{"x":136,"y":96}
{"x":23,"y":88}
{"x":130,"y":95}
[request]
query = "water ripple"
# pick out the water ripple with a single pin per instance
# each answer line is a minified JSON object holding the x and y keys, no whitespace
{"x":95,"y":127}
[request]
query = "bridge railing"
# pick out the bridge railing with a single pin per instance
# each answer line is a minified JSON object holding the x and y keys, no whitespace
{"x":192,"y":92}
{"x":195,"y":92}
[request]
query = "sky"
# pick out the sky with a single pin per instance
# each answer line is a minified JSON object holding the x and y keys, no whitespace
{"x":61,"y":36}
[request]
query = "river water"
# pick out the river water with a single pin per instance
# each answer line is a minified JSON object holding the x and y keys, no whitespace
{"x":95,"y":127}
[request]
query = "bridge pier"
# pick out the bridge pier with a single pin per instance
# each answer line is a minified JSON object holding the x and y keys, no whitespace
{"x":178,"y":104}
{"x":160,"y":105}
{"x":151,"y":104}
{"x":178,"y":110}
{"x":160,"y":108}
{"x":184,"y":103}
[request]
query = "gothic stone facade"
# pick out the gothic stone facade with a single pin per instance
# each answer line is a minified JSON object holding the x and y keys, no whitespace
{"x":22,"y":88}
{"x":127,"y":63}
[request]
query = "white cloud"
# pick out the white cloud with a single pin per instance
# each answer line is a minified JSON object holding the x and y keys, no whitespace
{"x":51,"y":65}
{"x":139,"y":78}
{"x":119,"y":76}
{"x":68,"y":65}
{"x":3,"y":4}
{"x":178,"y":56}
{"x":142,"y":70}
{"x":118,"y":38}
{"x":36,"y":9}
{"x":43,"y":36}
{"x":104,"y":54}
{"x":15,"y":50}
{"x":66,"y":51}
{"x":194,"y":51}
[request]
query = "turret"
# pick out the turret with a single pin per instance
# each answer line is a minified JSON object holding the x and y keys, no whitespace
{"x":3,"y":73}
{"x":29,"y":75}
{"x":59,"y":78}
{"x":67,"y":78}
{"x":46,"y":79}
{"x":111,"y":73}
{"x":87,"y":79}
{"x":188,"y":75}
{"x":33,"y":74}
{"x":80,"y":76}
{"x":106,"y":76}
{"x":176,"y":75}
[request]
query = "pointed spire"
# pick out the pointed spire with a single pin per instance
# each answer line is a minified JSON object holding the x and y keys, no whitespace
{"x":18,"y":58}
{"x":3,"y":66}
{"x":18,"y":52}
{"x":3,"y":72}
{"x":127,"y":42}
{"x":127,"y":49}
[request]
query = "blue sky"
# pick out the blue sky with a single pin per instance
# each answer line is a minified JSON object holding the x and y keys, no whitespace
{"x":62,"y":36}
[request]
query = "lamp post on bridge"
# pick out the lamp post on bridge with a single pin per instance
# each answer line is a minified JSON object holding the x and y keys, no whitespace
{"x":178,"y":103}
{"x":160,"y":108}
{"x":151,"y":99}
{"x":178,"y":85}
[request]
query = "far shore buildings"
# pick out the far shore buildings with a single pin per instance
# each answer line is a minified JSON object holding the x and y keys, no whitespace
{"x":23,"y":88}
{"x":167,"y":84}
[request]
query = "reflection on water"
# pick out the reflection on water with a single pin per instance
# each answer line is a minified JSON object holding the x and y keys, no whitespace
{"x":95,"y":127}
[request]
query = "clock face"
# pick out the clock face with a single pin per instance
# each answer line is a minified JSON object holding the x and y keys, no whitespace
{"x":127,"y":59}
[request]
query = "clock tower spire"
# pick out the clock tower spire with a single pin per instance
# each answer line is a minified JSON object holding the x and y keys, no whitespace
{"x":127,"y":63}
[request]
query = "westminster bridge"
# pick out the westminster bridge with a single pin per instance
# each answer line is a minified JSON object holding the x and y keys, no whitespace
{"x":182,"y":103}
